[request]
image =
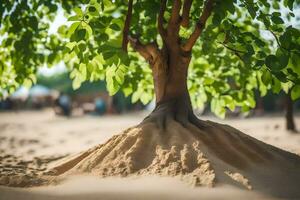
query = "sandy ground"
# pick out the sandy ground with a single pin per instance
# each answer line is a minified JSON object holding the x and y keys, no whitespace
{"x":40,"y":135}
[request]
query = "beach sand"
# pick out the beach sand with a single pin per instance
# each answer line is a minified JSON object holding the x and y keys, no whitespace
{"x":39,"y":139}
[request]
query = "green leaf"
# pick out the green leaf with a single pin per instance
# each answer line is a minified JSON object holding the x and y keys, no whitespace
{"x":82,"y":46}
{"x":277,"y":20}
{"x":276,"y":14}
{"x":286,"y":40}
{"x":76,"y":81}
{"x":80,"y":34}
{"x":274,"y":63}
{"x":276,"y":85}
{"x":62,"y":29}
{"x":70,"y":45}
{"x":251,"y":11}
{"x":82,"y":69}
{"x":289,"y":3}
{"x":217,"y":106}
{"x":27,"y":83}
{"x":88,"y":28}
{"x":111,"y":83}
{"x":266,"y":77}
{"x":295,"y":93}
{"x":99,"y":62}
{"x":112,"y":86}
{"x":72,"y":28}
{"x":110,"y":71}
{"x":283,"y":57}
{"x":229,"y":102}
{"x":221,"y":37}
{"x":74,"y":18}
{"x":115,"y":27}
{"x":119,"y":76}
{"x":145,"y":98}
{"x":250,"y":101}
{"x":216,"y":20}
{"x":92,"y":9}
{"x":295,"y":62}
{"x":124,"y":58}
{"x":78,"y":12}
{"x":127,"y":91}
{"x":281,"y":76}
{"x":103,"y":37}
{"x":108,"y":54}
{"x":208,"y":80}
{"x":136,"y":95}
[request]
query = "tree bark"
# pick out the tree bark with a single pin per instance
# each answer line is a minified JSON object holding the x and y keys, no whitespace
{"x":289,"y":115}
{"x":173,"y":102}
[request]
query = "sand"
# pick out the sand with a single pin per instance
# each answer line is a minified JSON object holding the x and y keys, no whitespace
{"x":46,"y":139}
{"x":145,"y":188}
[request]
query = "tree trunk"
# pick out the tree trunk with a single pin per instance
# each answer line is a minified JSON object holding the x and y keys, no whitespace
{"x":172,"y":97}
{"x":289,"y":115}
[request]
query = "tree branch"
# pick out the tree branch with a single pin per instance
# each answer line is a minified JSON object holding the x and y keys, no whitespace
{"x":160,"y":20}
{"x":232,"y":49}
{"x":175,"y":15}
{"x":127,"y":26}
{"x":235,"y":51}
{"x":207,"y":10}
{"x":186,"y":13}
{"x":149,"y":51}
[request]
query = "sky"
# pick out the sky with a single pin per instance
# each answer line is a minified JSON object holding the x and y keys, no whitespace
{"x":60,"y":67}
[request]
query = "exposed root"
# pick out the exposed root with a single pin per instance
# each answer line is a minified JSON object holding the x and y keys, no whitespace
{"x":178,"y":109}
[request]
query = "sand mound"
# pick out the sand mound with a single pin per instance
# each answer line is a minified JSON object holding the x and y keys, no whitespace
{"x":145,"y":150}
{"x":215,"y":154}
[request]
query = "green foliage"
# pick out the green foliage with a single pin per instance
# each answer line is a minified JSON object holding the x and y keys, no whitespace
{"x":295,"y":92}
{"x":246,"y":46}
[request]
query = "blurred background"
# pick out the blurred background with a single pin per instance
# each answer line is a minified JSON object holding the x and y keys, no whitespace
{"x":53,"y":91}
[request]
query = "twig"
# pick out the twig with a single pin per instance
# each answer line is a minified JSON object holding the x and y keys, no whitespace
{"x":160,"y":19}
{"x":207,"y":10}
{"x":186,"y":12}
{"x":127,"y":26}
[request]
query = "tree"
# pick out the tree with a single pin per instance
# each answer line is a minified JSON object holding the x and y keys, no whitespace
{"x":240,"y":59}
{"x":217,"y":50}
{"x":289,"y":115}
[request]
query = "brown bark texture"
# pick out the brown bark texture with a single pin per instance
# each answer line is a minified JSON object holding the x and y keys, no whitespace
{"x":289,"y":115}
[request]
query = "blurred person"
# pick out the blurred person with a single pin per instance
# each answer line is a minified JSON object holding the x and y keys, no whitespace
{"x":100,"y":106}
{"x":6,"y":104}
{"x":63,"y":102}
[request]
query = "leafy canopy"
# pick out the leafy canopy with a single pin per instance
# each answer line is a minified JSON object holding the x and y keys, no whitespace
{"x":247,"y":45}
